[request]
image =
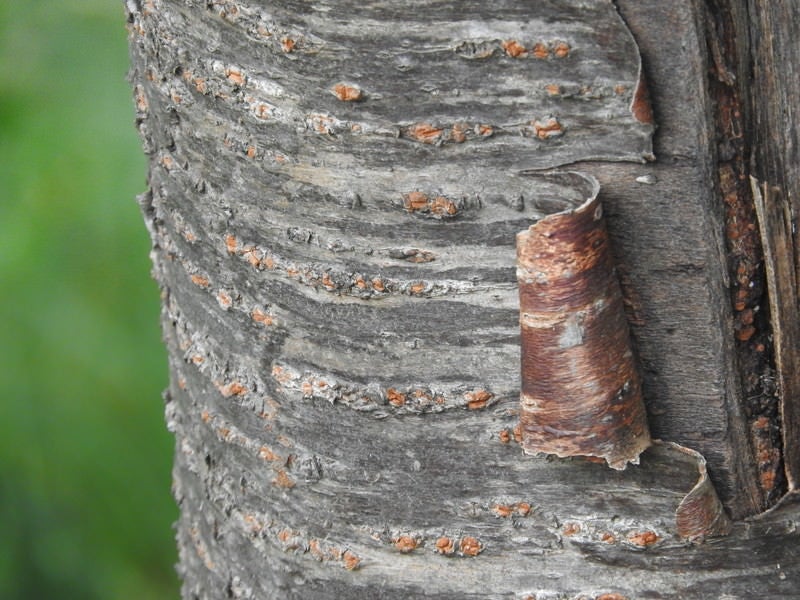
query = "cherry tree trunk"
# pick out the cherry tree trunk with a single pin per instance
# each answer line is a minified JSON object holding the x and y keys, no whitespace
{"x":336,"y":195}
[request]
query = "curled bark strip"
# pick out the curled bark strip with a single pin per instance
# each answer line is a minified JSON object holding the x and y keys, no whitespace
{"x":700,"y":514}
{"x":581,"y":387}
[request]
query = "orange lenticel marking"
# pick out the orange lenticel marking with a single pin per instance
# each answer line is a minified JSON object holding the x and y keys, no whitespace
{"x":350,"y":560}
{"x":643,"y":538}
{"x":347,"y":93}
{"x":514,"y":49}
{"x":478,"y":399}
{"x":283,"y":480}
{"x":425,"y":133}
{"x":234,"y":76}
{"x":315,"y":548}
{"x":224,"y":299}
{"x":561,"y":50}
{"x":469,"y":546}
{"x":395,"y":398}
{"x":458,"y":133}
{"x":288,"y":44}
{"x":541,"y":50}
{"x":234,"y":388}
{"x":414,"y":201}
{"x":267,"y":454}
{"x":405,"y":544}
{"x":553,"y":89}
{"x":200,"y":281}
{"x":445,"y":545}
{"x":443,"y":206}
{"x":547,"y":129}
{"x":260,"y":316}
{"x":503,"y":510}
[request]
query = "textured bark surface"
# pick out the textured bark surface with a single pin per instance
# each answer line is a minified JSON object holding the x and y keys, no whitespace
{"x":335,"y":190}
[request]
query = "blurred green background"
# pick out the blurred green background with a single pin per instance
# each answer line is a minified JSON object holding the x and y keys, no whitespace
{"x":85,"y":505}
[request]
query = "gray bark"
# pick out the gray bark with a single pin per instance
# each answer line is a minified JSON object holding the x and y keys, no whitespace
{"x":334,"y":194}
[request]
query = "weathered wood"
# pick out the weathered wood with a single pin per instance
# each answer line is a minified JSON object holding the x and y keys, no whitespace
{"x":753,"y":348}
{"x":773,"y":86}
{"x":335,"y":189}
{"x":775,"y":225}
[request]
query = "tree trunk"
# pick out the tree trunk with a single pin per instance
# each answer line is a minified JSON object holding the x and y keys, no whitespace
{"x":334,"y":196}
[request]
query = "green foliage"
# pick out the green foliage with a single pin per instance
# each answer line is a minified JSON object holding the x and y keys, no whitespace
{"x":85,"y":506}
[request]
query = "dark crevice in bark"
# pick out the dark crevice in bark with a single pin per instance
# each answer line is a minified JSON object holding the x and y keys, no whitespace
{"x":728,"y":73}
{"x":774,"y":92}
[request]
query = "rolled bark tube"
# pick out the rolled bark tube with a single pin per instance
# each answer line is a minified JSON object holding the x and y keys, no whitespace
{"x":581,"y":386}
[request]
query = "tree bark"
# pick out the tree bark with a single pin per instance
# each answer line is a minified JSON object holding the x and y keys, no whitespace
{"x":334,"y":196}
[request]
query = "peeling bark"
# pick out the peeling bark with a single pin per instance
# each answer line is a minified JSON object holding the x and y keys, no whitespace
{"x":581,"y":386}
